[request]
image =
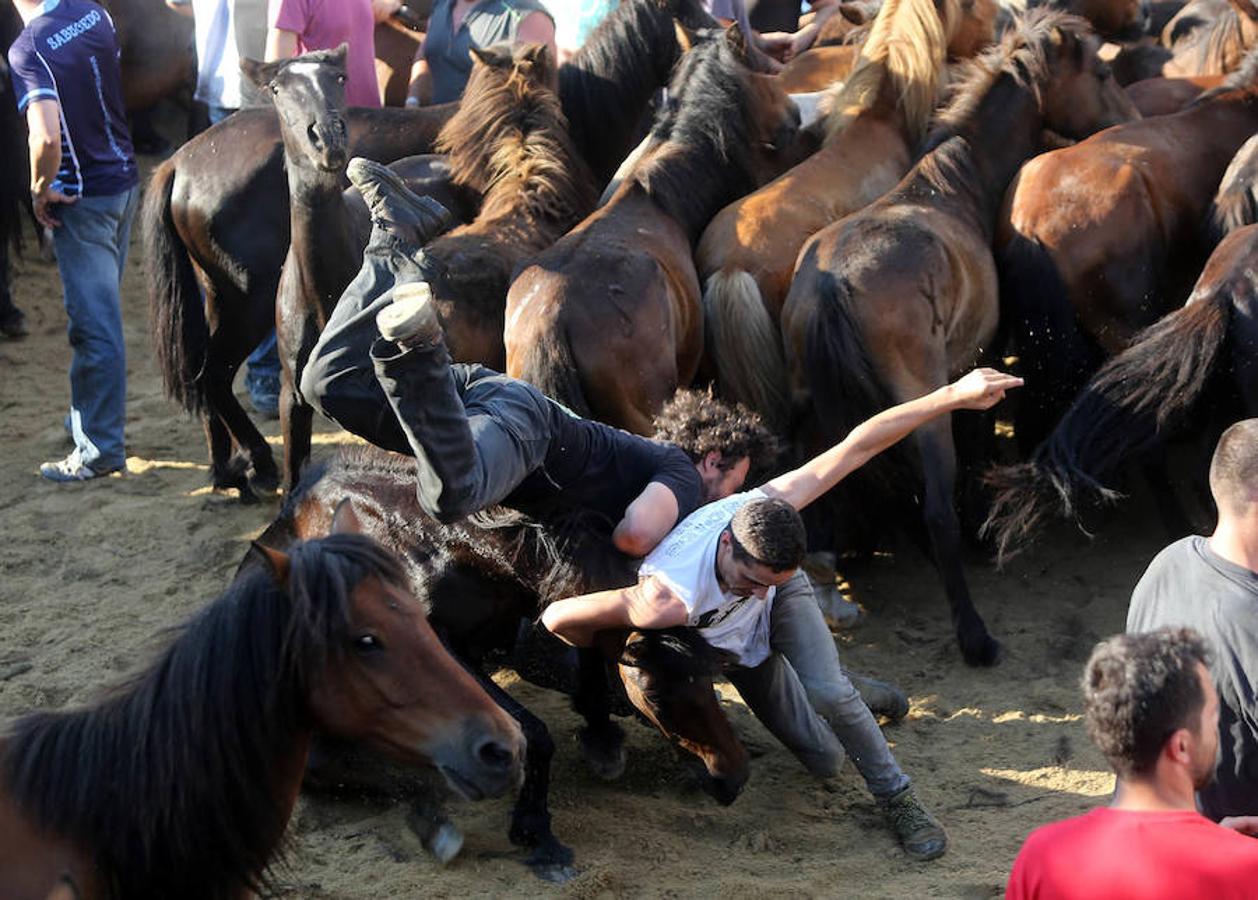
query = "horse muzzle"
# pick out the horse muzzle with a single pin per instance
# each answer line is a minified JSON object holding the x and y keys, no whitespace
{"x":482,"y":761}
{"x":330,"y":142}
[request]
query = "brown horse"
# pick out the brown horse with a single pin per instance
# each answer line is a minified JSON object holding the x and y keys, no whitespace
{"x":1200,"y":361}
{"x":216,"y":215}
{"x":896,"y":300}
{"x":1099,"y":240}
{"x":819,"y":68}
{"x":1163,"y":96}
{"x":181,"y":783}
{"x":747,"y":253}
{"x":609,"y":320}
{"x":1220,"y":47}
{"x":480,"y":578}
{"x":509,"y":143}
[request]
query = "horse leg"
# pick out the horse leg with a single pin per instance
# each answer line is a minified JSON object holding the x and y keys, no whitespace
{"x":296,"y":426}
{"x":226,"y":353}
{"x":602,"y":740}
{"x":530,"y":820}
{"x":939,"y":468}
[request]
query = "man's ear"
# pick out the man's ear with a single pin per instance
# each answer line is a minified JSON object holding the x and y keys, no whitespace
{"x":712,"y":459}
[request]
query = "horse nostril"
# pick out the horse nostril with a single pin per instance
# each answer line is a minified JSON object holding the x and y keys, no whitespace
{"x":313,"y":134}
{"x":495,"y":755}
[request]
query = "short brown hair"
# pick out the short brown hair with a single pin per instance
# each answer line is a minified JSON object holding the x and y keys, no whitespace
{"x":1138,"y":690}
{"x":769,"y":532}
{"x":1234,"y":467}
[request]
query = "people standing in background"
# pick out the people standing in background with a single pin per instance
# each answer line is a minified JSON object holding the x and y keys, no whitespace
{"x":443,"y":61}
{"x":299,"y":26}
{"x":84,"y":187}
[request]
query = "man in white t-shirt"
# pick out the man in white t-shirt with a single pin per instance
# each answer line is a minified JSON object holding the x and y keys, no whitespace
{"x":731,"y":569}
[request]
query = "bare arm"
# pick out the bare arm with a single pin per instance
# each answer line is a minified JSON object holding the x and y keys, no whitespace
{"x":651,"y":515}
{"x":43,"y":121}
{"x":980,"y":389}
{"x":419,"y":92}
{"x":280,"y":44}
{"x":648,"y":604}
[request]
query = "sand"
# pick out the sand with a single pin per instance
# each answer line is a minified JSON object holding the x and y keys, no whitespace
{"x":91,"y":574}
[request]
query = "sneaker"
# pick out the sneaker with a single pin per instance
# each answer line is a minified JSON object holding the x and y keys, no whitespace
{"x":72,"y":468}
{"x":883,"y":699}
{"x":395,"y":207}
{"x":410,"y":319}
{"x":919,"y":833}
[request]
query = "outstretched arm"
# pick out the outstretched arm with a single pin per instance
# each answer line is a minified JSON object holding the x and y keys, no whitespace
{"x":648,"y":604}
{"x":980,"y":389}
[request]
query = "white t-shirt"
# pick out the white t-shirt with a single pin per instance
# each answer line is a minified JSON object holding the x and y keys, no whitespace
{"x":218,"y":63}
{"x":685,"y":561}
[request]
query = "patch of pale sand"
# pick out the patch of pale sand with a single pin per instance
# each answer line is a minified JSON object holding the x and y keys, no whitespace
{"x":91,"y":576}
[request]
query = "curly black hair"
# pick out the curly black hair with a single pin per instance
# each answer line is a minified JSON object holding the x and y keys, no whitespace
{"x":699,"y":423}
{"x":1138,"y":690}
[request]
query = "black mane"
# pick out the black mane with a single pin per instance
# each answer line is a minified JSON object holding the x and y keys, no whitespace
{"x":708,"y":124}
{"x":607,"y":84}
{"x":676,"y":653}
{"x":171,"y":781}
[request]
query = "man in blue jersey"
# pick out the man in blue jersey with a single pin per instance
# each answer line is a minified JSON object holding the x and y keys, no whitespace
{"x":83,"y":186}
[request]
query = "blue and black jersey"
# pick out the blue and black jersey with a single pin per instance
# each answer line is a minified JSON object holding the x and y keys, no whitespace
{"x":69,"y":53}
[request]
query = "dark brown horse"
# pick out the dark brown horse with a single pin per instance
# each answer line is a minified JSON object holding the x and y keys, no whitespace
{"x":608,"y":321}
{"x":216,"y":215}
{"x":480,"y":578}
{"x":1163,"y":96}
{"x":1099,"y":240}
{"x":1197,"y":363}
{"x":896,"y":300}
{"x":181,"y":783}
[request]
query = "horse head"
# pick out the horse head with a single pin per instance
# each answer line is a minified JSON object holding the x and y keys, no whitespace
{"x":308,"y":93}
{"x":1078,"y":93}
{"x":386,"y":678}
{"x":667,"y":676}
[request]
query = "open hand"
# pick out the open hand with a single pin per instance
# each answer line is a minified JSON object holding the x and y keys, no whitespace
{"x":981,"y":389}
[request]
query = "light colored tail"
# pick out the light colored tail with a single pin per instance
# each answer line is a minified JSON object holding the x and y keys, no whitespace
{"x":746,"y":346}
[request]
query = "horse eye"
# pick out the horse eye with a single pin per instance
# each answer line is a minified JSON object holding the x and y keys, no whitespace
{"x":367,"y":643}
{"x":275,"y":90}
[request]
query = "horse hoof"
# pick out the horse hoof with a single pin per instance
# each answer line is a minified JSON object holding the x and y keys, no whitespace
{"x":605,"y":756}
{"x":987,"y":652}
{"x":265,"y":482}
{"x":445,"y":843}
{"x":555,"y":873}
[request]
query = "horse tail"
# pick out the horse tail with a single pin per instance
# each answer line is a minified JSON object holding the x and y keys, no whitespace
{"x":1125,"y":409}
{"x":1234,"y":206}
{"x":745,"y":345}
{"x":177,"y":323}
{"x":845,"y":390}
{"x":549,"y":366}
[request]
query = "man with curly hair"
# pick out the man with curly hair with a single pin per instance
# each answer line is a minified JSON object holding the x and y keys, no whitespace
{"x":382,"y":371}
{"x":1152,"y":709}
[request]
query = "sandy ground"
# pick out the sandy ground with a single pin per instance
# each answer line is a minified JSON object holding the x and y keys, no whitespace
{"x":91,"y":574}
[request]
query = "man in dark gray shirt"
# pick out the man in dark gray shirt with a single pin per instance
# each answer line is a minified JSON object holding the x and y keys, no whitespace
{"x":1211,"y":585}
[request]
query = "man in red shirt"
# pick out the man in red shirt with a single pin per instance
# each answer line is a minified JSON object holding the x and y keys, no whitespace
{"x":1152,"y":708}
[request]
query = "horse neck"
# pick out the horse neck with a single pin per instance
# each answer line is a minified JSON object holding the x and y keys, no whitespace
{"x":139,"y":781}
{"x":321,"y":243}
{"x":973,"y":167}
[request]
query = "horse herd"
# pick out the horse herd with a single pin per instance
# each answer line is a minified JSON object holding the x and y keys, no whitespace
{"x":958,"y":200}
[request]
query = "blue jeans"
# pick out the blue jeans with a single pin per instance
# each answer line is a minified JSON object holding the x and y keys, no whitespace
{"x":91,"y":253}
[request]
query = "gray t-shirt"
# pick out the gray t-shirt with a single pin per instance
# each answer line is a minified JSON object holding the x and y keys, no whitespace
{"x":448,"y":52}
{"x":1189,"y":584}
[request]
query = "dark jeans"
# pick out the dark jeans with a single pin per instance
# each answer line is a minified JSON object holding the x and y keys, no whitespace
{"x":475,"y":434}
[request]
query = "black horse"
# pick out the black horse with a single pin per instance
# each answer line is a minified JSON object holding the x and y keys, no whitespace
{"x":480,"y":580}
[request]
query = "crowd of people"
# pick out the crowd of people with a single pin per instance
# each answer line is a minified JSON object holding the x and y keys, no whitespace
{"x":1171,"y":704}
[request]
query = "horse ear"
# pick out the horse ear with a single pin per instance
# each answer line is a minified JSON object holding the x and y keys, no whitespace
{"x":490,"y":56}
{"x":340,"y":55}
{"x":537,"y":54}
{"x":737,"y":41}
{"x":345,"y":520}
{"x":259,"y":73}
{"x":685,"y":39}
{"x":277,"y":560}
{"x":633,"y":653}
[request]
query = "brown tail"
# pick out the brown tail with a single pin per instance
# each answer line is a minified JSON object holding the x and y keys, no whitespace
{"x":177,"y":323}
{"x":746,"y":345}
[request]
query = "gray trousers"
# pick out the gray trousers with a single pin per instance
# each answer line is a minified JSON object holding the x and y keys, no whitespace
{"x":803,"y":696}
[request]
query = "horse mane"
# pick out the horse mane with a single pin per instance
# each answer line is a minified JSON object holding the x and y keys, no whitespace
{"x":558,"y":553}
{"x":1235,"y":204}
{"x":1216,"y":47}
{"x":606,"y":84}
{"x":170,"y":778}
{"x":1020,"y":55}
{"x":907,"y":44}
{"x":1245,"y":78}
{"x":510,"y":133}
{"x":706,"y":127}
{"x":676,"y":653}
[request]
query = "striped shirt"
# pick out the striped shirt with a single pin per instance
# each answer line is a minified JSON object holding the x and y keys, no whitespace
{"x":68,"y":52}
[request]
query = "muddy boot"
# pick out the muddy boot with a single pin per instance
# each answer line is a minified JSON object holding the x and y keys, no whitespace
{"x":882,"y":698}
{"x":919,"y":833}
{"x":396,"y":208}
